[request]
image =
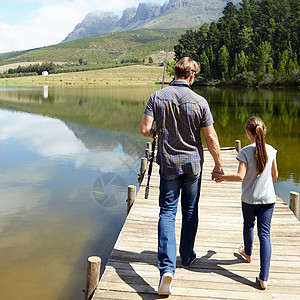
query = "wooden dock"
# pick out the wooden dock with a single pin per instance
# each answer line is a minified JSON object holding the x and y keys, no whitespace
{"x":219,"y":272}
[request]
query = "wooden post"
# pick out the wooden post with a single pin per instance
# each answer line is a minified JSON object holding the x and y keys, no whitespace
{"x":143,"y":165}
{"x":148,"y":149}
{"x":238,"y":145}
{"x":131,"y":196}
{"x":92,"y":276}
{"x":143,"y":169}
{"x":294,"y":203}
{"x":149,"y":146}
{"x":147,"y":152}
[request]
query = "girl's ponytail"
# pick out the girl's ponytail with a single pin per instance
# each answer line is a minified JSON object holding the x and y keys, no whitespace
{"x":257,"y":128}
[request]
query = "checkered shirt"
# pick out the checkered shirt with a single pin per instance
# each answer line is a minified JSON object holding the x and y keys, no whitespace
{"x":179,"y":114}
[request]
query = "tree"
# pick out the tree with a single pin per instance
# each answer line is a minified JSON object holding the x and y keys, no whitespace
{"x":82,"y":61}
{"x":262,"y":36}
{"x":171,"y":67}
{"x":244,"y":40}
{"x":229,"y":25}
{"x":241,"y":61}
{"x":188,"y":44}
{"x":223,"y":62}
{"x":213,"y":36}
{"x":245,"y":14}
{"x":204,"y":64}
{"x":213,"y":63}
{"x":230,"y":12}
{"x":150,"y":60}
{"x":264,"y":19}
{"x":287,"y":63}
{"x":264,"y":58}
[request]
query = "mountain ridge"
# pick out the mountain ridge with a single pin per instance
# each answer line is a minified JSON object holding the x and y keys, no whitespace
{"x":112,"y":47}
{"x":150,"y":15}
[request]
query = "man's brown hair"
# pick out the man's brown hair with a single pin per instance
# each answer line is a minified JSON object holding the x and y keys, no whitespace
{"x":185,"y":67}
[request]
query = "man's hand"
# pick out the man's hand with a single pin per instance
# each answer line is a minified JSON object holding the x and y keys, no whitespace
{"x":215,"y":172}
{"x":213,"y":145}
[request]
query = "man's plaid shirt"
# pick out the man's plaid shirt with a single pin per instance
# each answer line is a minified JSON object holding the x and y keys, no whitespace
{"x":179,"y":114}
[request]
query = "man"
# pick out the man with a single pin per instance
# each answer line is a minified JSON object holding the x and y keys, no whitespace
{"x":180,"y":115}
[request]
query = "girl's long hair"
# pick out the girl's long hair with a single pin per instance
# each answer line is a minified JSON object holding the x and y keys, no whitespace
{"x":258,"y":129}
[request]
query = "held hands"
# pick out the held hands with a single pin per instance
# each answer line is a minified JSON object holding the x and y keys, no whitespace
{"x":215,"y":174}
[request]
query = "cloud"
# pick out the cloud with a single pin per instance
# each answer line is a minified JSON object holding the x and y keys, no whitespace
{"x":46,"y":136}
{"x":51,"y":21}
{"x":19,"y":193}
{"x":42,"y":27}
{"x":51,"y":138}
{"x":115,"y":5}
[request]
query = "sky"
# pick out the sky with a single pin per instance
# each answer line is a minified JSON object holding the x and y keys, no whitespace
{"x":28,"y":24}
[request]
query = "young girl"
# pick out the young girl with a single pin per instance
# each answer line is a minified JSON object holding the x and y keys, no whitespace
{"x":258,"y":171}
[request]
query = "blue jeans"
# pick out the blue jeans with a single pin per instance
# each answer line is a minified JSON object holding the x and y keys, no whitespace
{"x":264,"y":214}
{"x":170,"y":187}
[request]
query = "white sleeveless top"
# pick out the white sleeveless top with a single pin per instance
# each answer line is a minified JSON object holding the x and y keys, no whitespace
{"x":257,"y":189}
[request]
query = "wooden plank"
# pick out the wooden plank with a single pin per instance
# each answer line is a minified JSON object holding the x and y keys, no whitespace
{"x":219,"y":271}
{"x":182,"y":284}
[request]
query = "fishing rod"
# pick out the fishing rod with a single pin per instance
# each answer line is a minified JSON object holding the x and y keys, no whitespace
{"x":165,"y":66}
{"x":151,"y":157}
{"x":152,"y":154}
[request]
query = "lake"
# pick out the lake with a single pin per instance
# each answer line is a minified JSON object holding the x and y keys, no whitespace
{"x":68,"y":154}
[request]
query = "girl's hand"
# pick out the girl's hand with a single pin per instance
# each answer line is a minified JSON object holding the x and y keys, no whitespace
{"x":217,"y":170}
{"x":216,"y":177}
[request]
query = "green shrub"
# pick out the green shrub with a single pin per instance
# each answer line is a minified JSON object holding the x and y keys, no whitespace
{"x":246,"y":79}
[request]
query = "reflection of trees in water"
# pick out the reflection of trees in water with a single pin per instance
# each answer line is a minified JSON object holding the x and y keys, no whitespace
{"x":279,"y":108}
{"x":232,"y":107}
{"x":97,"y":139}
{"x":111,"y":108}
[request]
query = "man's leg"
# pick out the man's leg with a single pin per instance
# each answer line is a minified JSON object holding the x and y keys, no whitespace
{"x":189,"y":205}
{"x":168,"y":200}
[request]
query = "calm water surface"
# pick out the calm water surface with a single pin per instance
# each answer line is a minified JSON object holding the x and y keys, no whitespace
{"x":67,"y":155}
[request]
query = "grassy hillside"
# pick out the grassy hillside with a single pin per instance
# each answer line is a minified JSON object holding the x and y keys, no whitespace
{"x":111,"y":47}
{"x":9,"y":55}
{"x":136,"y":74}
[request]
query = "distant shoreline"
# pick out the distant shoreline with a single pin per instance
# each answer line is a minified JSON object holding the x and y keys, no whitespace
{"x":124,"y":75}
{"x":137,"y":74}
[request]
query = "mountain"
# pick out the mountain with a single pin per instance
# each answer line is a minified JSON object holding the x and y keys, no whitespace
{"x":149,"y":15}
{"x":115,"y":47}
{"x":124,"y":42}
{"x":94,"y":23}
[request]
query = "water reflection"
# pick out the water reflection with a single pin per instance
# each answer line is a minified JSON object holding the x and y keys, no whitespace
{"x":113,"y":108}
{"x":45,"y":92}
{"x":42,"y":135}
{"x":280,"y":110}
{"x":119,"y":108}
{"x":50,"y":217}
{"x":64,"y":168}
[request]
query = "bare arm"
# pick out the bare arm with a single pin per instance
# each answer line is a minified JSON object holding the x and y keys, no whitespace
{"x":239,"y":176}
{"x":146,"y":126}
{"x":213,"y":145}
{"x":274,"y":171}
